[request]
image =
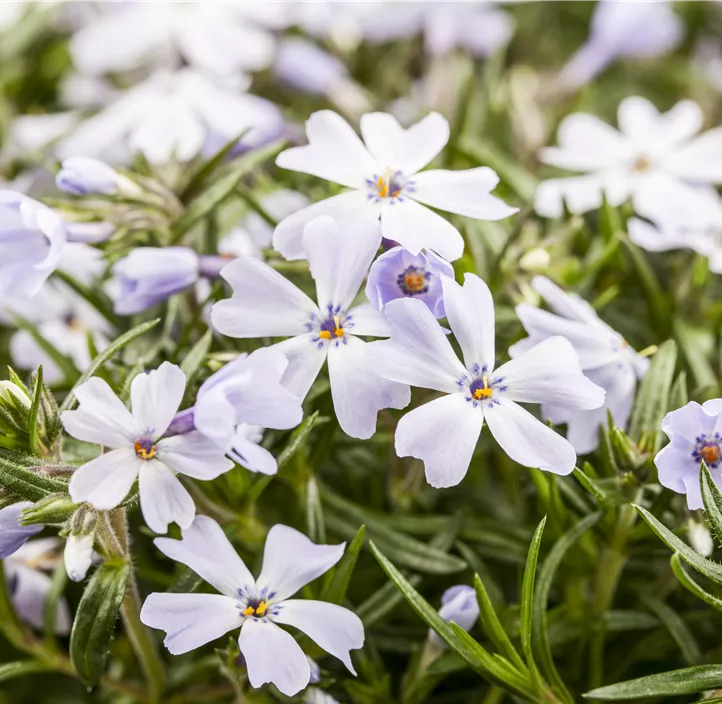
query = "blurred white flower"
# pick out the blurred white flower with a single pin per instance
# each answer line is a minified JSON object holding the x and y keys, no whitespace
{"x":679,"y":217}
{"x":700,"y":538}
{"x":649,"y":151}
{"x":222,"y":37}
{"x":460,"y":606}
{"x":29,"y":586}
{"x":604,"y":356}
{"x":174,"y":116}
{"x":632,"y":29}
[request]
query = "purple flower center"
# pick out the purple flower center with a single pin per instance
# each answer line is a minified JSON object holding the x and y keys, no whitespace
{"x":330,"y":327}
{"x":414,"y":281}
{"x":708,"y":449}
{"x":390,"y":185}
{"x":481,"y":387}
{"x":145,"y":449}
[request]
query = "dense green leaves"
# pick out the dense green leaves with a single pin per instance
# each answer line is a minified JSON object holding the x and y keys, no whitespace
{"x":95,"y":620}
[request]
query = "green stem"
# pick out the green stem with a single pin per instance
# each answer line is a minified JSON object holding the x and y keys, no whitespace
{"x":140,"y":637}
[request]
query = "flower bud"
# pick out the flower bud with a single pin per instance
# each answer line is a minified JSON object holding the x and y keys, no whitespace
{"x":626,"y":453}
{"x":12,"y":394}
{"x":458,"y":604}
{"x":54,"y":508}
{"x":700,"y":538}
{"x":82,"y":176}
{"x":78,"y":555}
{"x":150,"y":275}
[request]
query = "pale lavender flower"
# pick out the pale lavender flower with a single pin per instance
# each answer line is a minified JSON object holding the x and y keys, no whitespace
{"x":650,"y":151}
{"x":605,"y":357}
{"x":400,"y":274}
{"x":458,"y":604}
{"x":622,"y":30}
{"x":695,"y":436}
{"x":139,"y":450}
{"x":32,"y":237}
{"x":444,"y":432}
{"x":235,"y":404}
{"x":29,"y":587}
{"x":13,"y":535}
{"x":265,"y":304}
{"x":383,"y":173}
{"x":256,"y":606}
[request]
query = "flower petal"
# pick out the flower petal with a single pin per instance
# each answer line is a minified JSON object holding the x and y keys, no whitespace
{"x":470,"y":312}
{"x":418,"y":352}
{"x":101,"y":416}
{"x":568,"y":305}
{"x":194,"y":455}
{"x":527,"y":440}
{"x":334,"y":152}
{"x":415,"y":228}
{"x":155,"y":397}
{"x":339,"y":253}
{"x":264,"y":303}
{"x":12,"y":534}
{"x":700,"y":161}
{"x":163,"y":499}
{"x":305,"y":359}
{"x":443,"y":434}
{"x":581,"y":193}
{"x":406,"y":150}
{"x":550,"y":373}
{"x":689,"y":421}
{"x":29,"y":590}
{"x":291,"y":560}
{"x":465,"y":193}
{"x":105,"y":481}
{"x":252,"y":456}
{"x":205,"y":548}
{"x":369,"y":321}
{"x":288,"y":235}
{"x":333,"y":628}
{"x":272,"y":655}
{"x":190,"y":620}
{"x":358,"y":392}
{"x":78,"y":556}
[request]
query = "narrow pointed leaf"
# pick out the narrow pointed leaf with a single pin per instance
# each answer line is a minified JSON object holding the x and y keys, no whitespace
{"x":690,"y":680}
{"x":335,"y":591}
{"x":712,"y":499}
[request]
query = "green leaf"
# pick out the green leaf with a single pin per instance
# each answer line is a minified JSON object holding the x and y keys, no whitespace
{"x":711,"y":570}
{"x":193,"y":360}
{"x":677,"y":628}
{"x":215,"y":194}
{"x":95,"y":620}
{"x":526,"y":604}
{"x":493,"y":667}
{"x":108,"y":353}
{"x":540,"y":630}
{"x":690,"y":680}
{"x":17,"y":477}
{"x":690,"y":585}
{"x":678,"y":395}
{"x":335,"y":590}
{"x":652,"y":401}
{"x":36,"y":445}
{"x":492,"y":625}
{"x":12,"y":670}
{"x":712,"y":499}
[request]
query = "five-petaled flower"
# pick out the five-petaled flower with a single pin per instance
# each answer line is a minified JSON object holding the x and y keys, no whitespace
{"x":265,"y":304}
{"x":444,"y":432}
{"x":139,"y":450}
{"x":383,"y":172}
{"x":256,"y":606}
{"x":649,"y":151}
{"x":695,"y":436}
{"x":604,"y":356}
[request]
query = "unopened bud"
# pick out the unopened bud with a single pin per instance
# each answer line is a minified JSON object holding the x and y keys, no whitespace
{"x":54,"y":508}
{"x":12,"y":393}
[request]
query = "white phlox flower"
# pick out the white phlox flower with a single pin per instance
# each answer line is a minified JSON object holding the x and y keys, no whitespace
{"x":384,"y":173}
{"x":649,"y":149}
{"x":139,"y":450}
{"x":604,"y":356}
{"x":257,"y":606}
{"x":444,"y":432}
{"x":265,"y":304}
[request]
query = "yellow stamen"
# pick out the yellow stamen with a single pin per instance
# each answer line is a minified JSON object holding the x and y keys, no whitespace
{"x":339,"y":330}
{"x":249,"y":611}
{"x":261,"y":609}
{"x":414,"y":282}
{"x":325,"y":335}
{"x":144,"y":454}
{"x":258,"y":611}
{"x":485,"y":392}
{"x":710,"y":453}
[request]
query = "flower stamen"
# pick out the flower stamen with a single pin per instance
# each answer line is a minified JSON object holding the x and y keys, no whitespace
{"x":145,"y":449}
{"x":258,"y":610}
{"x":483,"y":392}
